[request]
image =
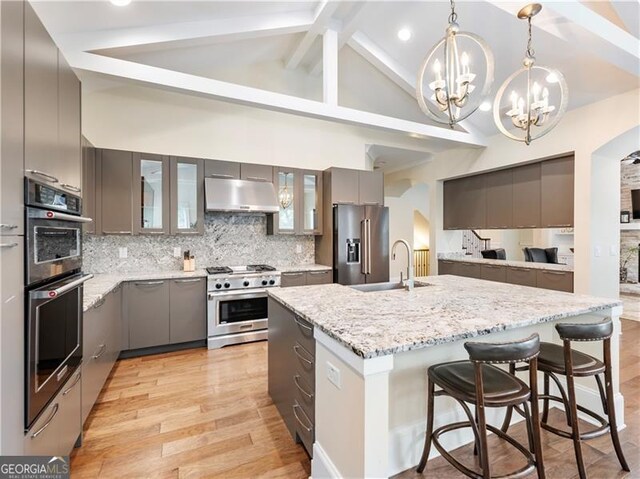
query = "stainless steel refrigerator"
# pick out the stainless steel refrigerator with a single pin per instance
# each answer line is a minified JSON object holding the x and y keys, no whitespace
{"x":360,"y":244}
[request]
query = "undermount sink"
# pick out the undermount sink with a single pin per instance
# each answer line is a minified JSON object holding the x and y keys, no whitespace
{"x":376,"y":287}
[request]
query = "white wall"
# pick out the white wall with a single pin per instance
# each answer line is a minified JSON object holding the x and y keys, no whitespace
{"x":591,"y":132}
{"x":140,"y":118}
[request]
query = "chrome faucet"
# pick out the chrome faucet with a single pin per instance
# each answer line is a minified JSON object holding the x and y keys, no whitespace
{"x":408,"y":284}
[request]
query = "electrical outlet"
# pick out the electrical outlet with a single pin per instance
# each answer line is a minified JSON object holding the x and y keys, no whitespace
{"x":298,"y":248}
{"x":613,"y":250}
{"x":177,"y":252}
{"x":597,"y":251}
{"x":333,"y":374}
{"x":122,"y":253}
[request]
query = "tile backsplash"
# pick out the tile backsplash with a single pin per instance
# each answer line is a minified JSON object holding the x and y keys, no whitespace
{"x":229,"y":239}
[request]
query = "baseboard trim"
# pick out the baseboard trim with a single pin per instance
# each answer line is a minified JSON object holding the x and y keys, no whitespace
{"x":321,"y":466}
{"x":168,"y":348}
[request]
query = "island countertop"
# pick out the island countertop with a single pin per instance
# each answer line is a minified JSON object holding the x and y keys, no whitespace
{"x":449,"y":309}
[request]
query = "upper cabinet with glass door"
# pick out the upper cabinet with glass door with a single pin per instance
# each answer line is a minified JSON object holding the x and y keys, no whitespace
{"x":187,"y":196}
{"x":311,"y":210}
{"x":151,"y":193}
{"x":299,"y":195}
{"x":287,"y":195}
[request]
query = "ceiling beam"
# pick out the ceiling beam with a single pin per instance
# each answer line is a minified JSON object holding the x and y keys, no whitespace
{"x":330,"y":71}
{"x":349,"y":27}
{"x":384,"y":63}
{"x":577,"y":24}
{"x":321,"y":19}
{"x":229,"y":92}
{"x":221,"y":30}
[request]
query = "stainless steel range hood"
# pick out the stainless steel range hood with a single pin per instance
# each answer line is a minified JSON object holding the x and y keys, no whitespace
{"x":240,"y":195}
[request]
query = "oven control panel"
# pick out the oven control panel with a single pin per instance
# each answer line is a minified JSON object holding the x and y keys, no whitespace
{"x":224,"y":283}
{"x":45,"y":196}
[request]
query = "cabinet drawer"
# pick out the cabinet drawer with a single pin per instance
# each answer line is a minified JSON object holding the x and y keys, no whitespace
{"x":556,"y":280}
{"x":319,"y":277}
{"x":188,"y":310}
{"x":304,"y":334}
{"x":148,"y":313}
{"x":59,"y":426}
{"x":298,"y":278}
{"x":446,"y":267}
{"x":468,"y":270}
{"x":304,"y":427}
{"x":521,"y":276}
{"x":304,"y":364}
{"x":492,"y":272}
{"x":304,"y":394}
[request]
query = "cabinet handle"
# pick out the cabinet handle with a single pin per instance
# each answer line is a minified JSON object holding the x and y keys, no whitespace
{"x":557,"y":273}
{"x":296,"y":380}
{"x":102,"y":348}
{"x":117,"y":232}
{"x":371,"y":203}
{"x":149,"y":283}
{"x":256,"y":178}
{"x":307,"y":428}
{"x":56,"y":407}
{"x":70,"y":187}
{"x":302,"y":325}
{"x":8,"y":227}
{"x":219,"y":175}
{"x":345,"y":203}
{"x":295,"y":350}
{"x":195,"y":280}
{"x":526,"y":226}
{"x":68,"y":390}
{"x":292,"y":274}
{"x":523,"y":269}
{"x":99,"y":303}
{"x":8,"y":245}
{"x":47,"y":177}
{"x":144,"y":232}
{"x":318,"y":272}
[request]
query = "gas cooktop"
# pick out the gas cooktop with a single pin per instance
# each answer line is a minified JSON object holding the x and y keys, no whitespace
{"x":252,"y":268}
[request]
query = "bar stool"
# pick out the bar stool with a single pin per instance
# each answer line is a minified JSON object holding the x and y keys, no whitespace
{"x":555,"y":359}
{"x":479,"y":382}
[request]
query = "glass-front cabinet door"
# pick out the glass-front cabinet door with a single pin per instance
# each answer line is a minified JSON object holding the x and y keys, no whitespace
{"x":151,"y":193}
{"x":311,"y":208}
{"x":187,"y":196}
{"x":287,"y":196}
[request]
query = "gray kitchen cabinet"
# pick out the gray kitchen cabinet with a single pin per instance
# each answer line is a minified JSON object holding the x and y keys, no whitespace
{"x":293,"y":278}
{"x":493,"y":272}
{"x":465,"y":203}
{"x":89,"y":186}
{"x":56,"y":431}
{"x":291,"y":366}
{"x":148,"y":314}
{"x":446,"y":267}
{"x":188,"y":310}
{"x":310,"y":203}
{"x":469,"y":270}
{"x":526,"y":196}
{"x":557,"y":183}
{"x":253,"y":172}
{"x":187,"y":195}
{"x":344,"y":185}
{"x":114,"y":191}
{"x":499,"y":186}
{"x":319,"y":277}
{"x":69,"y":135}
{"x":453,"y":207}
{"x":522,"y":276}
{"x":41,"y":157}
{"x":303,"y":214}
{"x":12,"y":119}
{"x":222,"y":169}
{"x":556,"y":280}
{"x":101,"y":337}
{"x":12,"y":336}
{"x":371,"y":188}
{"x":151,"y":194}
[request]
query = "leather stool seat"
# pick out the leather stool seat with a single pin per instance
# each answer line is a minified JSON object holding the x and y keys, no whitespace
{"x":500,"y":387}
{"x":551,"y":359}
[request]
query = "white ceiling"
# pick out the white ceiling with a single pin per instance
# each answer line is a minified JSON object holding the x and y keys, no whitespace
{"x":259,"y":62}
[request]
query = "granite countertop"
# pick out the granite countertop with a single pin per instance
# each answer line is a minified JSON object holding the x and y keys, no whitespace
{"x":450,"y":308}
{"x":508,"y":262}
{"x":303,"y":267}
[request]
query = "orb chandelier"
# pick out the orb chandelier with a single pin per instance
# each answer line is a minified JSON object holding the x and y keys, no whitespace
{"x":455,"y":77}
{"x":533,"y":114}
{"x":285,"y":197}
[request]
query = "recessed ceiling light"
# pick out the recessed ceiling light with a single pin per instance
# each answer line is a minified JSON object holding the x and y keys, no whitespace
{"x":120,"y":3}
{"x":404,"y":34}
{"x":552,"y":78}
{"x":485,"y":106}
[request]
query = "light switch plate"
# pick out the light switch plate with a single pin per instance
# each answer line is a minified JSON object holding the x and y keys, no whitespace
{"x":613,"y":250}
{"x":122,"y":253}
{"x":597,"y":251}
{"x":177,"y":252}
{"x":333,"y":374}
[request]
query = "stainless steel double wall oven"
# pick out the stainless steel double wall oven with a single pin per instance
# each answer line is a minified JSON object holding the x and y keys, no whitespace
{"x":53,"y":292}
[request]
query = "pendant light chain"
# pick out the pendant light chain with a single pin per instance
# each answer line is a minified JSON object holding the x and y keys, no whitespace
{"x":531,"y":53}
{"x":453,"y":17}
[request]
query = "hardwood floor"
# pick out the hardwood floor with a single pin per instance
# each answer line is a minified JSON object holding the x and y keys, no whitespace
{"x":200,"y":413}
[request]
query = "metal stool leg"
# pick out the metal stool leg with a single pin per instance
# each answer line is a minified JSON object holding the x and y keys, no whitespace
{"x":429,"y":431}
{"x":613,"y":425}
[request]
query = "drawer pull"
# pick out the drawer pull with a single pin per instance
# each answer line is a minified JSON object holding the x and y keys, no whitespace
{"x":56,"y":407}
{"x":557,"y":273}
{"x":117,"y":232}
{"x":8,"y":245}
{"x":306,"y":428}
{"x":99,"y":303}
{"x":68,"y":390}
{"x":292,"y":274}
{"x":319,"y":272}
{"x":219,"y":175}
{"x":302,"y":325}
{"x":102,"y":348}
{"x":195,"y":280}
{"x":257,"y":178}
{"x":149,"y":283}
{"x":47,"y":177}
{"x":295,"y":350}
{"x":8,"y":227}
{"x":296,"y":380}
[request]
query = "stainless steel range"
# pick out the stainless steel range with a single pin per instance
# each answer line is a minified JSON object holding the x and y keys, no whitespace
{"x":237,"y":303}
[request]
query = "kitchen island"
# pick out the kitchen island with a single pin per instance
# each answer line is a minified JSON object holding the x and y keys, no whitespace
{"x":372,"y":350}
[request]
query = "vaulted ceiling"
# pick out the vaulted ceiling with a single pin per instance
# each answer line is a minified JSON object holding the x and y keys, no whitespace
{"x":277,"y":55}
